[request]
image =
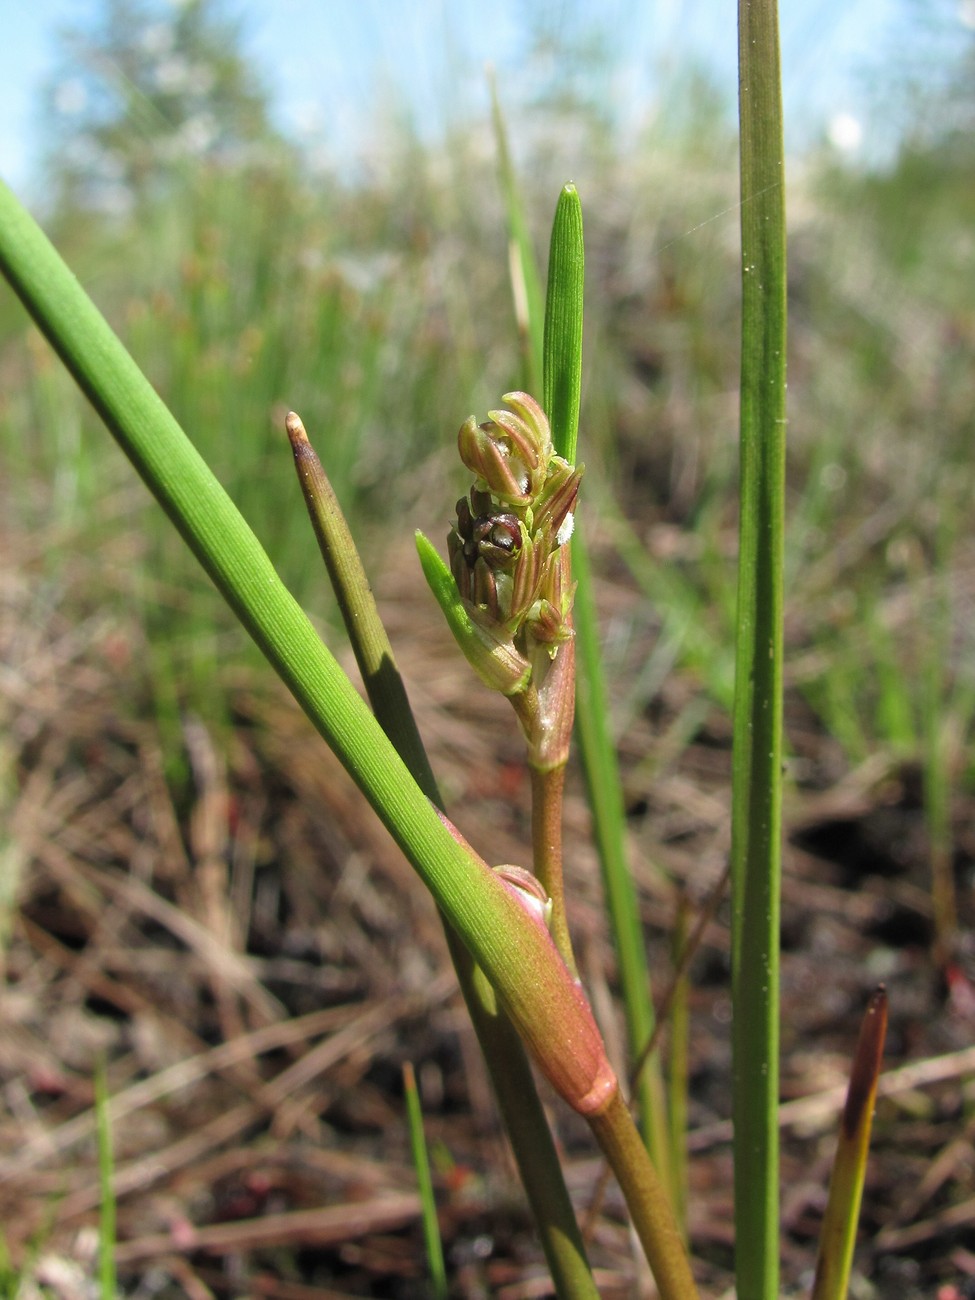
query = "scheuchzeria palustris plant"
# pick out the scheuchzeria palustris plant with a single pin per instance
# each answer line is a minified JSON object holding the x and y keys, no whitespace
{"x":507,"y":597}
{"x":511,"y":607}
{"x":508,"y":600}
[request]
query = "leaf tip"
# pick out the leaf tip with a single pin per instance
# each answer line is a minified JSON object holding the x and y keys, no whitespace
{"x":294,"y":428}
{"x":867,"y":1063}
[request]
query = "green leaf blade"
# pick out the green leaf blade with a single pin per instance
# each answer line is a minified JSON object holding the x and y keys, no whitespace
{"x":757,"y":751}
{"x":562,"y":348}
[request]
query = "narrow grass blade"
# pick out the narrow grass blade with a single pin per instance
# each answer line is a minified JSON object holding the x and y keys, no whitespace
{"x":526,"y":284}
{"x":677,"y":1068}
{"x":757,"y":750}
{"x":370,"y":644}
{"x":421,"y":1163}
{"x":838,"y":1236}
{"x":563,"y":388}
{"x":106,"y":1173}
{"x":563,"y":324}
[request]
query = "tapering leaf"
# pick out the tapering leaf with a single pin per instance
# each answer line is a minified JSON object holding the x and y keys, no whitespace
{"x":526,"y":284}
{"x":421,"y":1163}
{"x":839,"y":1230}
{"x":563,"y":389}
{"x":563,"y":324}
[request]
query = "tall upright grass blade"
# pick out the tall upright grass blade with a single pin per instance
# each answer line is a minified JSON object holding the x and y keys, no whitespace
{"x":942,"y":732}
{"x":526,"y":283}
{"x":421,"y":1163}
{"x":839,"y":1230}
{"x":757,"y":750}
{"x":562,"y":348}
{"x":562,"y":401}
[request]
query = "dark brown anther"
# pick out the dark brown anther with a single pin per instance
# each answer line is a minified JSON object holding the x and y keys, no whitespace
{"x":464,"y":518}
{"x":482,"y":503}
{"x":485,"y":588}
{"x":460,"y":569}
{"x":455,"y":546}
{"x":498,"y":539}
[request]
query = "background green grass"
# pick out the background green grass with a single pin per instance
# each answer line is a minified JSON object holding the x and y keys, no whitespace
{"x":378,"y":307}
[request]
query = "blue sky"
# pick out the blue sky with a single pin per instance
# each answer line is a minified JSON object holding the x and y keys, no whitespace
{"x":325,"y":60}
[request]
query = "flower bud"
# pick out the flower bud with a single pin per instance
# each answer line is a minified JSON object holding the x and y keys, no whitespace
{"x":557,"y":501}
{"x":509,"y":560}
{"x":492,"y":457}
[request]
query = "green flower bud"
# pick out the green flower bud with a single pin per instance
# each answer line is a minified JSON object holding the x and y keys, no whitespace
{"x":511,"y":451}
{"x":492,"y":457}
{"x":552,"y":511}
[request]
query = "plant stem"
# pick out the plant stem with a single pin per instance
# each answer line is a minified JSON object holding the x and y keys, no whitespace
{"x":839,"y":1230}
{"x":547,"y":788}
{"x":677,"y":1074}
{"x":646,"y":1199}
{"x":757,"y":750}
{"x":528,"y":1131}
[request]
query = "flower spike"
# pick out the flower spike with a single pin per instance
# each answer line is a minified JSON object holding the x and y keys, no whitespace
{"x":508,"y":594}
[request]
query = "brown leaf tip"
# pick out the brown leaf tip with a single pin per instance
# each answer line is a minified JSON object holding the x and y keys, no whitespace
{"x":866,"y":1062}
{"x":295,"y":428}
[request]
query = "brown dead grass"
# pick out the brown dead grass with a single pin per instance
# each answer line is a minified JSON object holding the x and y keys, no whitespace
{"x":251,"y":957}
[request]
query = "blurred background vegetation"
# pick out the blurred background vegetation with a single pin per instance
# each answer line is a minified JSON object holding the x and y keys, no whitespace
{"x":248,"y":278}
